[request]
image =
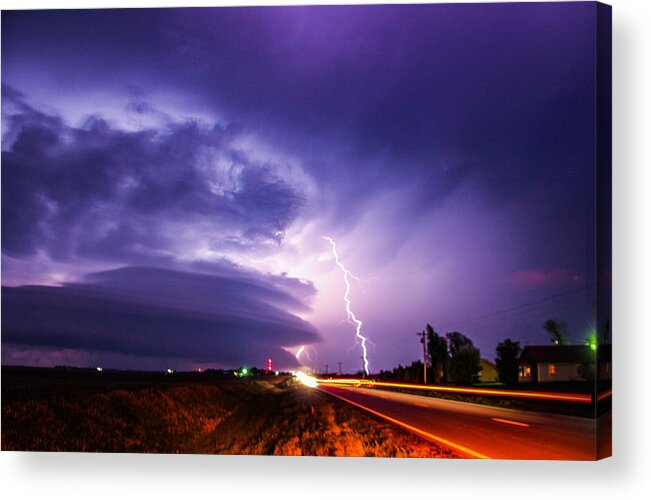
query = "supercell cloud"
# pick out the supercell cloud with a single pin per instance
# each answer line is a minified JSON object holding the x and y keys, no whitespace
{"x":191,"y":319}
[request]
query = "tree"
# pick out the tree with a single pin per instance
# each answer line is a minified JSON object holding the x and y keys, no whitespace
{"x":437,"y":347}
{"x":465,"y":359}
{"x":508,"y":354}
{"x":557,"y":330}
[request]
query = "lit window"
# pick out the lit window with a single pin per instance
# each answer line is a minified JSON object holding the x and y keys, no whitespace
{"x":552,"y":369}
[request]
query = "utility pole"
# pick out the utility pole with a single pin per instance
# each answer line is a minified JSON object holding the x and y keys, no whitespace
{"x":363,"y":367}
{"x":339,"y":363}
{"x":326,"y":368}
{"x":423,"y":341}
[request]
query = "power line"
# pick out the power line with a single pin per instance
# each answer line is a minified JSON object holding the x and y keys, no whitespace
{"x":584,"y":288}
{"x":550,"y":308}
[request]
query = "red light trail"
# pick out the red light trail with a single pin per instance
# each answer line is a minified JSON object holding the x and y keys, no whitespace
{"x":550,"y":396}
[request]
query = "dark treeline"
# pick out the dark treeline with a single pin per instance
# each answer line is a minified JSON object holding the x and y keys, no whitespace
{"x":453,"y":358}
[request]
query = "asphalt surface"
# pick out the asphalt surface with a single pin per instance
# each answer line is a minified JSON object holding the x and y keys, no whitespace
{"x":480,"y":431}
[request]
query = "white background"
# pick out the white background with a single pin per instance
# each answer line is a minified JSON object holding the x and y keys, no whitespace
{"x":626,"y":475}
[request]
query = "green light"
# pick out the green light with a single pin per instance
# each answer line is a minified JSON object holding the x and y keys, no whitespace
{"x":591,"y":341}
{"x":277,"y":372}
{"x":244,"y":371}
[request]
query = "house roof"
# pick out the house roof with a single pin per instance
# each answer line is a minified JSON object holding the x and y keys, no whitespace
{"x":557,"y":354}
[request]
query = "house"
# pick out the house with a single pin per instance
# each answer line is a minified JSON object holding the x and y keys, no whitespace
{"x":557,"y":363}
{"x":488,"y":372}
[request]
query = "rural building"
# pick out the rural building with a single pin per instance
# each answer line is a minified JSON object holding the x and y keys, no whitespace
{"x":488,"y":371}
{"x":559,"y":363}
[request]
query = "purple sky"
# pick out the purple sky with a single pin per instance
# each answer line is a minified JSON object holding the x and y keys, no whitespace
{"x":168,"y":175}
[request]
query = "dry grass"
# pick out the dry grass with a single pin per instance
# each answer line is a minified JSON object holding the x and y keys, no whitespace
{"x":254,"y":417}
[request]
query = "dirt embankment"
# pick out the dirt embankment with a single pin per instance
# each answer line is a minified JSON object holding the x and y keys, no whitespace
{"x":239,"y":417}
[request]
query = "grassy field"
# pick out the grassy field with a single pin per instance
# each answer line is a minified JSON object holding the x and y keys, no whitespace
{"x":44,"y":411}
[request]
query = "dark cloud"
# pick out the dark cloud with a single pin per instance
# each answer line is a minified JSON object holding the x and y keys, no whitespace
{"x":440,"y":92}
{"x":199,"y":319}
{"x":101,"y":192}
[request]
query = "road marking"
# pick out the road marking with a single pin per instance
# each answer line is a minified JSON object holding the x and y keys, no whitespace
{"x":413,"y":429}
{"x":512,"y":422}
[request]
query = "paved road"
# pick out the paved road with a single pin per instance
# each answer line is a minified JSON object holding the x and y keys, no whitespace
{"x":480,"y":431}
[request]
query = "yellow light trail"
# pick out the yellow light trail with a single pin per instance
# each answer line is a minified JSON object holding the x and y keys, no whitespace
{"x":551,"y":396}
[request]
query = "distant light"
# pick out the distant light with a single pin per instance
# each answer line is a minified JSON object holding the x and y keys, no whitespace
{"x":307,"y":380}
{"x":169,"y":370}
{"x":591,"y":341}
{"x":244,"y":371}
{"x":277,"y":372}
{"x":99,"y":368}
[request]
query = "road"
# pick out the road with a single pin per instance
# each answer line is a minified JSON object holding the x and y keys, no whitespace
{"x":479,"y":431}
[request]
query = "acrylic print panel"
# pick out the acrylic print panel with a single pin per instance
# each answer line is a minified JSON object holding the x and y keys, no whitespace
{"x":330,"y":230}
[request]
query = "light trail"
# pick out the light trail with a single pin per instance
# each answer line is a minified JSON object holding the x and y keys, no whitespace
{"x":550,"y":396}
{"x":604,"y":395}
{"x":349,"y":311}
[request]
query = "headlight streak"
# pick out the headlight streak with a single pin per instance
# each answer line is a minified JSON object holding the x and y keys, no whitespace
{"x":550,"y":396}
{"x":349,"y":311}
{"x":306,"y":379}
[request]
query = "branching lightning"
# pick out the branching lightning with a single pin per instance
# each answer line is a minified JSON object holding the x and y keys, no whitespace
{"x":349,"y":311}
{"x":303,"y":350}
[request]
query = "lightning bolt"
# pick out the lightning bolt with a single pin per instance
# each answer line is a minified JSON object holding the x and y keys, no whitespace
{"x":349,"y":311}
{"x":302,"y":350}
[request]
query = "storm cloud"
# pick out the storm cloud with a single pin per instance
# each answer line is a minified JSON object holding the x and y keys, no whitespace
{"x":100,"y":192}
{"x":196,"y":319}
